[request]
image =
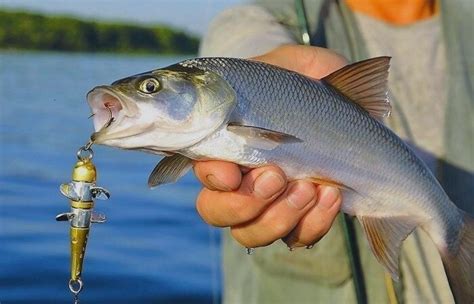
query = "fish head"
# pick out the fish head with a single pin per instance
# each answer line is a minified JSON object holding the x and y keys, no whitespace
{"x":162,"y":110}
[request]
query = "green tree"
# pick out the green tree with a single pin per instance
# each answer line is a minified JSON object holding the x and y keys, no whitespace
{"x":23,"y":30}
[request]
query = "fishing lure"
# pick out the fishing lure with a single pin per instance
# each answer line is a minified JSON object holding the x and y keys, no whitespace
{"x":82,"y":192}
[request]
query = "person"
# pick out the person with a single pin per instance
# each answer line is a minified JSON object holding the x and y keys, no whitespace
{"x":431,"y":91}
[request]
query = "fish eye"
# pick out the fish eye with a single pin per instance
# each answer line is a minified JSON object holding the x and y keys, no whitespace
{"x":149,"y":86}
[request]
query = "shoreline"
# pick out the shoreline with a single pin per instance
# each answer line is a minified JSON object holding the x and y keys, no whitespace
{"x":27,"y":30}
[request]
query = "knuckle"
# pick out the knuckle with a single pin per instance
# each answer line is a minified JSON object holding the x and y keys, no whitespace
{"x":279,"y":229}
{"x":242,"y":238}
{"x":204,"y":209}
{"x":308,"y":231}
{"x":308,"y":238}
{"x":314,"y":236}
{"x":313,"y":233}
{"x":248,"y":239}
{"x":241,"y":211}
{"x":236,"y":210}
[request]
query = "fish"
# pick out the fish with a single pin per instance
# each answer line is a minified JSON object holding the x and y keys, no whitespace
{"x":329,"y":131}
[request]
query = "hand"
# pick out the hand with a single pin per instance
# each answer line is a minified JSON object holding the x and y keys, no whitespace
{"x":259,"y":205}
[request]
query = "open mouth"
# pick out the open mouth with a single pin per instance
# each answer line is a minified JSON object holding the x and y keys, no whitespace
{"x":105,"y":104}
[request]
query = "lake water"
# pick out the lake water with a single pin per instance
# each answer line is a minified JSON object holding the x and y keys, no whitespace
{"x":153,"y":248}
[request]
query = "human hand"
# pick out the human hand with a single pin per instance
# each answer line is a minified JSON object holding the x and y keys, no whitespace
{"x":260,"y":205}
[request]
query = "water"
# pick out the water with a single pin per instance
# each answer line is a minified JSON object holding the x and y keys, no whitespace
{"x":153,"y":248}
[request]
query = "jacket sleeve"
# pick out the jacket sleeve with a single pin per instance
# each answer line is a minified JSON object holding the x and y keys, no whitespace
{"x":244,"y":31}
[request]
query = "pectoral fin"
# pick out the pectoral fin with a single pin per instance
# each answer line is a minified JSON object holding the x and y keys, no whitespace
{"x":385,"y":236}
{"x":169,"y":170}
{"x":262,"y":138}
{"x":329,"y":182}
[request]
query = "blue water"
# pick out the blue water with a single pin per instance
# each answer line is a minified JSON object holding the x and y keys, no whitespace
{"x":153,"y":248}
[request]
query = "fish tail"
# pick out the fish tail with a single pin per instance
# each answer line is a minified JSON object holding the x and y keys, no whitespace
{"x":459,"y":263}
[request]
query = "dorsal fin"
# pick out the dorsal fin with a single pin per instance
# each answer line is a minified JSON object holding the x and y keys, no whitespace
{"x":365,"y":83}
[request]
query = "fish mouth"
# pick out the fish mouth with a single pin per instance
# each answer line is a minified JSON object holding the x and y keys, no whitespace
{"x":107,"y":103}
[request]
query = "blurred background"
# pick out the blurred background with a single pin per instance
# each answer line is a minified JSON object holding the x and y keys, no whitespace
{"x":154,"y":247}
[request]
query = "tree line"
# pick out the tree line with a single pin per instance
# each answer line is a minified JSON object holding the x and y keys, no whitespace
{"x":24,"y":30}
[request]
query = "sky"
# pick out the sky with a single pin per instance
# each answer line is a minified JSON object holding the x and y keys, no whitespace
{"x":191,"y":15}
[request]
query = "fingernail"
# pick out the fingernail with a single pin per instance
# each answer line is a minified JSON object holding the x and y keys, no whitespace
{"x":216,"y":183}
{"x":268,"y":184}
{"x":300,"y":195}
{"x":327,"y":197}
{"x":310,"y":246}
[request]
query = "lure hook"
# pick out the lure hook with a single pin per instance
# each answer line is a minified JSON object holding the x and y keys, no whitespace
{"x":94,"y":135}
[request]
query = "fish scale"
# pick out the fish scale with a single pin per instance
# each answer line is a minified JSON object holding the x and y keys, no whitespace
{"x":323,"y":120}
{"x":385,"y":177}
{"x":253,"y":114}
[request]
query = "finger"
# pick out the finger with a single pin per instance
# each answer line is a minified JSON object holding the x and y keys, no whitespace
{"x":218,"y":175}
{"x":259,"y":188}
{"x":280,"y":218}
{"x":312,"y":61}
{"x":317,"y":222}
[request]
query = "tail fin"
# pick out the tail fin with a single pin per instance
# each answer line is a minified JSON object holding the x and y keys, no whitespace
{"x":459,"y":264}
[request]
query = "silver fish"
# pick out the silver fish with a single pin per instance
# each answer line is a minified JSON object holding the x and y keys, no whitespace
{"x":327,"y":130}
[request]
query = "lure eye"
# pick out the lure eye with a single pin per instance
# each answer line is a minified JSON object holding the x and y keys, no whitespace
{"x":149,"y":86}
